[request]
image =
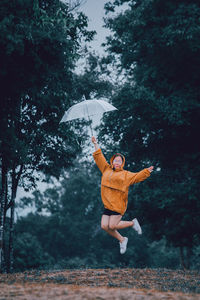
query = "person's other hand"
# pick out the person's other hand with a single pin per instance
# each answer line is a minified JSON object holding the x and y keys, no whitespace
{"x":150,"y":168}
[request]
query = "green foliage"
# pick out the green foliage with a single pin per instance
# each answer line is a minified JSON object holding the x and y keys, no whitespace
{"x":155,"y":44}
{"x":91,"y":82}
{"x":29,"y":253}
{"x":162,"y":256}
{"x":67,"y":227}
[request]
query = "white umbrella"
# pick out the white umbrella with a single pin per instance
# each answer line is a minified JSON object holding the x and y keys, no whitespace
{"x":86,"y":109}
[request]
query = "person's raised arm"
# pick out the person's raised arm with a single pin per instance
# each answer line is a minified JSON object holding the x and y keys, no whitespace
{"x":94,"y":141}
{"x":99,"y":157}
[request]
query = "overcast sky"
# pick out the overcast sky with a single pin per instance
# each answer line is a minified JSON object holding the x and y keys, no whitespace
{"x":94,"y":10}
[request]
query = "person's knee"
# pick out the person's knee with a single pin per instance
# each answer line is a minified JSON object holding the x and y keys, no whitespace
{"x":104,"y":227}
{"x":112,"y":226}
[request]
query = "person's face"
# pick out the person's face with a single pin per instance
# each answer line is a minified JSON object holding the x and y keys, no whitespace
{"x":117,"y":162}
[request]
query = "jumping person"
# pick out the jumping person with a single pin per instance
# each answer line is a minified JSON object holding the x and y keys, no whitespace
{"x":115,"y":183}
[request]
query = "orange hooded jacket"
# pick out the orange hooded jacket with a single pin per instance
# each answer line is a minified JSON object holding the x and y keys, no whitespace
{"x":115,"y":183}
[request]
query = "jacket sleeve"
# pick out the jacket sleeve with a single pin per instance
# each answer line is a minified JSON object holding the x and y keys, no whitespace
{"x":100,"y":160}
{"x":137,"y":177}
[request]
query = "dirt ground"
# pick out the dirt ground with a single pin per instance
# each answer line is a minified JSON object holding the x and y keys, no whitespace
{"x":124,"y":284}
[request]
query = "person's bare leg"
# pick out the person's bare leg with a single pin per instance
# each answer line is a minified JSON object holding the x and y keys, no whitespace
{"x":105,"y":226}
{"x":115,"y":234}
{"x":124,"y":224}
{"x":116,"y":223}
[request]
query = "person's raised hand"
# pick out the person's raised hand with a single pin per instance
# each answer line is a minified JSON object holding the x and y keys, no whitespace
{"x":150,"y":168}
{"x":94,"y":139}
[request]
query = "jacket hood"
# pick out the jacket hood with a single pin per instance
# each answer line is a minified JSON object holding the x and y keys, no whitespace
{"x":123,"y":161}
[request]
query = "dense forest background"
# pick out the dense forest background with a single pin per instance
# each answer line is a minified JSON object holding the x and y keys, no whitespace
{"x":150,"y":72}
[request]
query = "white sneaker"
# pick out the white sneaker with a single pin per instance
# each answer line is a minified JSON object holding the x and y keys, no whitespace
{"x":123,"y":245}
{"x":136,"y":226}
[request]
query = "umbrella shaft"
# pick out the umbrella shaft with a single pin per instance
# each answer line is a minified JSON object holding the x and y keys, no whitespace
{"x":89,"y":121}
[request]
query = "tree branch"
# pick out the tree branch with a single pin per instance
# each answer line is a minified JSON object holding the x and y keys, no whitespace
{"x":74,"y":4}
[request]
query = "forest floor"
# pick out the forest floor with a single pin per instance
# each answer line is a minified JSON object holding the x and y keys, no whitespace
{"x":90,"y":284}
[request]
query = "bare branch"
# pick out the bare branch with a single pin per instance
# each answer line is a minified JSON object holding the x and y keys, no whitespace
{"x":74,"y":4}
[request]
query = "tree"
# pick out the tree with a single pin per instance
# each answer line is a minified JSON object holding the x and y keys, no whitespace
{"x":39,"y":44}
{"x":156,"y":45}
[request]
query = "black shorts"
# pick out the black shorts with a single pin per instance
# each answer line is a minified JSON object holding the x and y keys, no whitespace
{"x":109,"y":212}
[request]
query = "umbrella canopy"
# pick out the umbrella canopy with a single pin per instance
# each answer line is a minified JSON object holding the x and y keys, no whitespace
{"x":86,"y":109}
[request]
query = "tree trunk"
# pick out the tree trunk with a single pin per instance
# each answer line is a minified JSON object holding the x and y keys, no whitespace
{"x":2,"y":213}
{"x":182,"y":260}
{"x":5,"y":225}
{"x":10,"y":246}
{"x":6,"y":199}
{"x":11,"y":229}
{"x":11,"y":205}
{"x":188,"y":256}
